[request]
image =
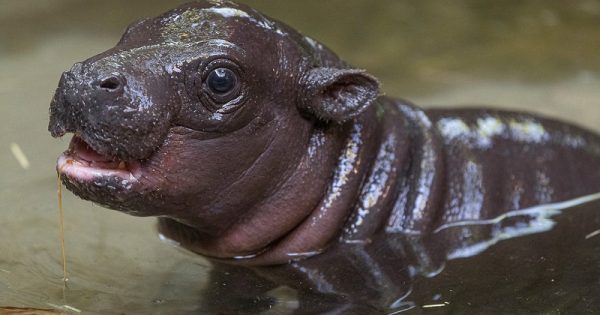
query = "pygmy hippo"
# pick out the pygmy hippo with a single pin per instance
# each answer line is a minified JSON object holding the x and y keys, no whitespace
{"x":257,"y":146}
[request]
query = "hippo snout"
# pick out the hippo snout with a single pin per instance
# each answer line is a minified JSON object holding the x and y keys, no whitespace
{"x":114,"y":109}
{"x":95,"y":82}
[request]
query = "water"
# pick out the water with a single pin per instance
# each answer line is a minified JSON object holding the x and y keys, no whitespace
{"x":531,"y":55}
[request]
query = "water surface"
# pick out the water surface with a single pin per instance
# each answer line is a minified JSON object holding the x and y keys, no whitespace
{"x":528,"y":55}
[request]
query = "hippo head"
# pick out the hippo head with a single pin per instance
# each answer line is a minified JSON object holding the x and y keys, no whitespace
{"x":198,"y":114}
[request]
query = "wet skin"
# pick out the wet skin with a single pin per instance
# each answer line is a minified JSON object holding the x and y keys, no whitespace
{"x":257,"y":146}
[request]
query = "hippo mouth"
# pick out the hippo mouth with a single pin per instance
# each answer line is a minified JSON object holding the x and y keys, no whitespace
{"x":82,"y":163}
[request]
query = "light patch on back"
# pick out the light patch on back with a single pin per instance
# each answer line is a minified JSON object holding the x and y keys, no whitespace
{"x":487,"y":128}
{"x":490,"y":126}
{"x":574,"y":141}
{"x":453,"y":128}
{"x":528,"y":131}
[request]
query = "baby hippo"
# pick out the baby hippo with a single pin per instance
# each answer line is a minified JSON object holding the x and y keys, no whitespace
{"x":261,"y":149}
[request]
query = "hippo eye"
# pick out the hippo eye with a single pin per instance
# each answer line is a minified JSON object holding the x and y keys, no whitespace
{"x":221,"y":87}
{"x":221,"y":81}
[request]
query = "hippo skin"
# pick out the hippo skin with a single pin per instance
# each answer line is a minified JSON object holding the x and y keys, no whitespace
{"x":259,"y":148}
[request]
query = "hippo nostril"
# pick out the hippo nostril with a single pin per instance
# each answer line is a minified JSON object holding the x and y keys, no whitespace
{"x":112,"y":83}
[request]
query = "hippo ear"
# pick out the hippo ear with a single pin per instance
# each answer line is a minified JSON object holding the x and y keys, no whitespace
{"x":337,"y":94}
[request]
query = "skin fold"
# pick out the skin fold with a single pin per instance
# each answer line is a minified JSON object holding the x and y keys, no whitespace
{"x":257,"y":146}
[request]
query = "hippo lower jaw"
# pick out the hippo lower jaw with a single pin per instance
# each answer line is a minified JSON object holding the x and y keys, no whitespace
{"x":84,"y":165}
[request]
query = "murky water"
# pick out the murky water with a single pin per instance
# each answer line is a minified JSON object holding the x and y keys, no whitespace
{"x":532,"y":55}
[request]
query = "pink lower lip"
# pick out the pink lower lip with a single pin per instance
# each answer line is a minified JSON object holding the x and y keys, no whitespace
{"x":82,"y":171}
{"x":82,"y":163}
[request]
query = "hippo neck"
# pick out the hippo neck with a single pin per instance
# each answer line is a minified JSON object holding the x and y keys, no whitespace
{"x":315,"y":231}
{"x":390,"y":169}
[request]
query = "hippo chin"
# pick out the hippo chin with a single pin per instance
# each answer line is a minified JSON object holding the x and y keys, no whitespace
{"x":256,"y":145}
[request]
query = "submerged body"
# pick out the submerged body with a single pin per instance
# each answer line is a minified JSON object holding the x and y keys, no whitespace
{"x":255,"y":145}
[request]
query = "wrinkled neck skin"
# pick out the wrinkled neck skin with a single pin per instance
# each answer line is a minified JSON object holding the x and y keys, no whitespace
{"x":365,"y":159}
